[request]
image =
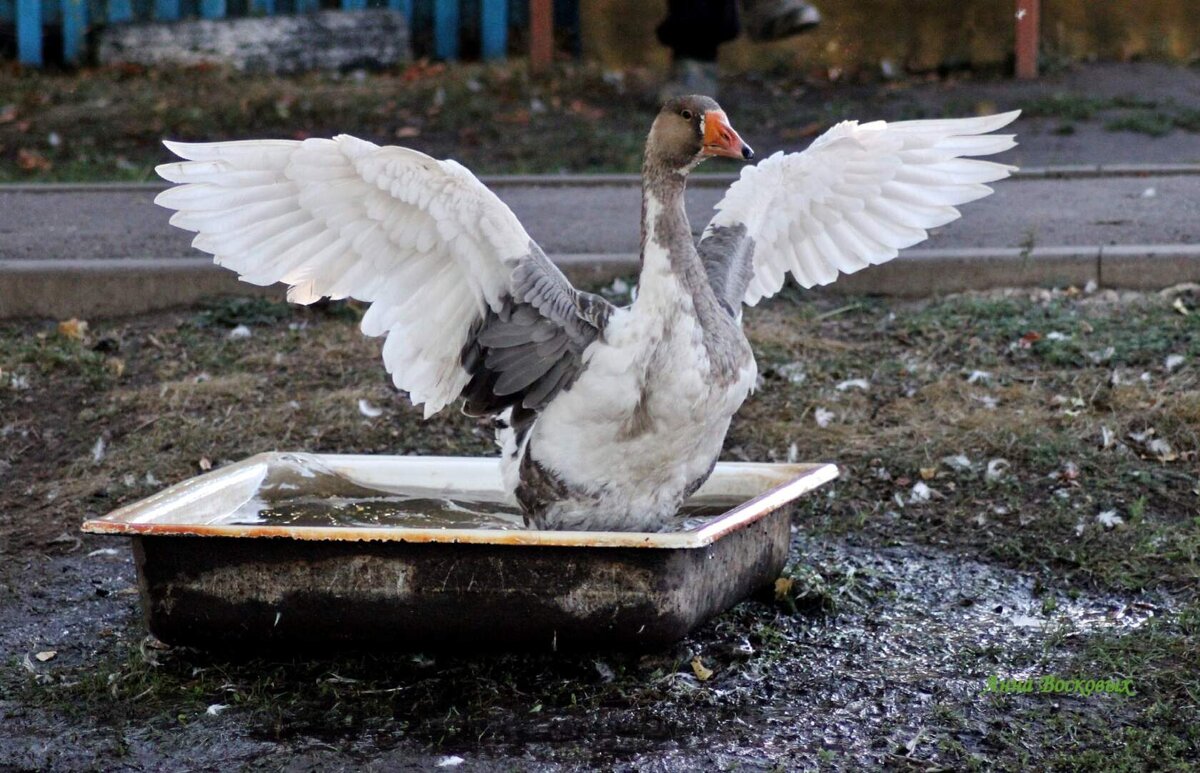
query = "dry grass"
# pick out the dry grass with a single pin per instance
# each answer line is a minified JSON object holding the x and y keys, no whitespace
{"x":185,"y":394}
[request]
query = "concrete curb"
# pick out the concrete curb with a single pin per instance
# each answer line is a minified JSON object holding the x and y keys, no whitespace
{"x":107,"y":288}
{"x":1081,"y":172}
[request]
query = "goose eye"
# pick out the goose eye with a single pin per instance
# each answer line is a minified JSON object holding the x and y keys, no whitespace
{"x":687,"y":115}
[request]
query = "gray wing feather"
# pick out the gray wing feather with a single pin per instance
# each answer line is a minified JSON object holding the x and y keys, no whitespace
{"x":530,"y":349}
{"x":727,"y":252}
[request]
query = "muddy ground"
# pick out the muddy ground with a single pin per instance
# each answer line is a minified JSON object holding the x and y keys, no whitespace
{"x":1020,"y":499}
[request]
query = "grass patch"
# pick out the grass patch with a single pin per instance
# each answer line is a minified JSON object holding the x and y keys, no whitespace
{"x":1123,"y":113}
{"x":958,"y":433}
{"x":108,"y":123}
{"x":1026,"y":416}
{"x":1149,"y":122}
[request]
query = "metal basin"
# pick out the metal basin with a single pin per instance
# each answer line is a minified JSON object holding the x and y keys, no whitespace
{"x":208,"y":580}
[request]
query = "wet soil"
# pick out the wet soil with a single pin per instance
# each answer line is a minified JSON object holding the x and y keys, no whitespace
{"x":1012,"y":526}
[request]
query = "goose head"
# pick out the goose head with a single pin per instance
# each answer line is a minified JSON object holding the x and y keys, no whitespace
{"x":688,"y":130}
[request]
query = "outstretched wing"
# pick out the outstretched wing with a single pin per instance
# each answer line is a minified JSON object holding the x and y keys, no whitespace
{"x":463,"y":294}
{"x":852,"y":199}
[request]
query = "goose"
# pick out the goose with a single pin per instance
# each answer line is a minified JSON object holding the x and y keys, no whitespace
{"x":607,"y":417}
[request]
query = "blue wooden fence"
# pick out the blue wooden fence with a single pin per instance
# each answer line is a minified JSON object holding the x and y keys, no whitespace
{"x":73,"y":17}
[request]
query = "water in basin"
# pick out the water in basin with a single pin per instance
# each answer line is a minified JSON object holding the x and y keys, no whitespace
{"x":411,"y":512}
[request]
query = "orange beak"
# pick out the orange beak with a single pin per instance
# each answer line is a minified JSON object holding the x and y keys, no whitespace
{"x":721,"y":140}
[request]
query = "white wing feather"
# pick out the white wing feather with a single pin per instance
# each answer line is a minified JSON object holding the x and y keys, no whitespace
{"x":421,"y":240}
{"x":858,"y":195}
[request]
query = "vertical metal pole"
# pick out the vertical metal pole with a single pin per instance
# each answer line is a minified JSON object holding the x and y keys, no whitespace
{"x":445,"y":29}
{"x":1028,"y":24}
{"x":541,"y":34}
{"x":493,"y":25}
{"x":74,"y":25}
{"x":29,"y":32}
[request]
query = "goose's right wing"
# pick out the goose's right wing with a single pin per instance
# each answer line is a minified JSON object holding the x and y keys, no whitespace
{"x":467,"y":300}
{"x":854,"y":198}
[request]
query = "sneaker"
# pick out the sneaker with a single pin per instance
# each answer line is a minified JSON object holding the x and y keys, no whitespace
{"x":766,"y":20}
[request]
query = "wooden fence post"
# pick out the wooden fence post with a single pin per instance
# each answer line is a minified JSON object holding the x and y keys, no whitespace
{"x":1028,"y":23}
{"x":74,"y":26}
{"x":493,"y":28}
{"x":120,"y":11}
{"x":166,"y":10}
{"x":29,"y":32}
{"x":541,"y":34}
{"x":405,"y":8}
{"x":212,"y":9}
{"x":445,"y":29}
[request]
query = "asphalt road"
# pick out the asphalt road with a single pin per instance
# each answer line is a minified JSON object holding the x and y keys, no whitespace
{"x":583,"y":219}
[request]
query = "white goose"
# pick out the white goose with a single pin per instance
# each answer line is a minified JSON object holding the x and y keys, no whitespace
{"x":608,"y":417}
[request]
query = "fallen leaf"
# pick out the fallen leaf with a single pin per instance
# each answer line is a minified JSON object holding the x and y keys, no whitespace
{"x":928,"y":473}
{"x":369,"y":410}
{"x":75,"y":329}
{"x":240,"y":332}
{"x":1179,"y":306}
{"x":783,"y":588}
{"x":1027,"y":341}
{"x":46,"y":655}
{"x":698,"y":668}
{"x":115,"y":366}
{"x":32,"y":161}
{"x":822,"y":417}
{"x":854,"y":383}
{"x":1173,"y":361}
{"x":215,"y":709}
{"x":996,"y":470}
{"x":1109,"y":519}
{"x":584,"y":110}
{"x":205,"y":464}
{"x":450,"y":761}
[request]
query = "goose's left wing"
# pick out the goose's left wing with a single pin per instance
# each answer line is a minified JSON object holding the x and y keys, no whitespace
{"x":854,"y":198}
{"x":470,"y":305}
